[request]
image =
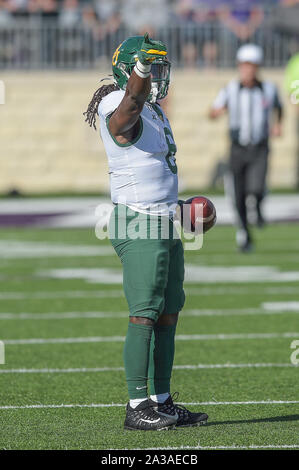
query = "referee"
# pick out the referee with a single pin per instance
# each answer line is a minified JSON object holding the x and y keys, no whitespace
{"x":250,"y":104}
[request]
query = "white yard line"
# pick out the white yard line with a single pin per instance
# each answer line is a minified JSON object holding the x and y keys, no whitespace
{"x":282,"y":446}
{"x":193,"y":274}
{"x":265,"y":309}
{"x":241,"y":290}
{"x":287,"y":306}
{"x":61,"y":316}
{"x":237,"y":311}
{"x":113,"y":405}
{"x":16,"y":249}
{"x":222,"y":258}
{"x":196,"y":291}
{"x":72,"y":370}
{"x":184,"y":313}
{"x":112,"y":339}
{"x":232,"y":447}
{"x":72,"y":294}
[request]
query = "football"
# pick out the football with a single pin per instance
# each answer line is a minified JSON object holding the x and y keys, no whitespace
{"x":198,"y":214}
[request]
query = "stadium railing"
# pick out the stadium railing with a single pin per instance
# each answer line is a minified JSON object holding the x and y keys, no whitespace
{"x":43,"y":44}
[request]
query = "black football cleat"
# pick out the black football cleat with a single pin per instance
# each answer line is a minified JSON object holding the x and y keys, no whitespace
{"x":244,"y":242}
{"x":145,"y":418}
{"x":185,"y":417}
{"x":260,"y":223}
{"x":247,"y":247}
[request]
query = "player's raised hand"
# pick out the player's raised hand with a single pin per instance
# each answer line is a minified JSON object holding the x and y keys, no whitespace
{"x":151,"y":50}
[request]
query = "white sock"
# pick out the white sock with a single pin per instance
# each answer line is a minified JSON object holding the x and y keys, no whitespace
{"x":160,"y":398}
{"x":136,"y":401}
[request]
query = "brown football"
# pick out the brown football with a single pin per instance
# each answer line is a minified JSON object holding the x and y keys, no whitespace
{"x":198,"y":214}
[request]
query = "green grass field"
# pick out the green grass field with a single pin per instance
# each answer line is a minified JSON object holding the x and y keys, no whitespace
{"x":63,"y":387}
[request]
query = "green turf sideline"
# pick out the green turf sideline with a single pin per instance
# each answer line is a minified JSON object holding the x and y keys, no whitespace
{"x":117,"y":369}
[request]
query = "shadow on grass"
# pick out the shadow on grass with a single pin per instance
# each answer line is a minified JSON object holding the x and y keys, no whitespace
{"x":258,"y":420}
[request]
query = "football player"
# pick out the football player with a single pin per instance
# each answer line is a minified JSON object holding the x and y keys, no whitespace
{"x":143,"y":175}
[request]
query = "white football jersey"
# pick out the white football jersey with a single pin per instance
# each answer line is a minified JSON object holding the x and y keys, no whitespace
{"x":143,"y":173}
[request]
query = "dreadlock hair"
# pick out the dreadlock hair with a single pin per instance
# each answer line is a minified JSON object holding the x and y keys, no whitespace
{"x":92,"y":109}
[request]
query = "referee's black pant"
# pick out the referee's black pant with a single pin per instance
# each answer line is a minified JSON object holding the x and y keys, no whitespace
{"x":248,"y":166}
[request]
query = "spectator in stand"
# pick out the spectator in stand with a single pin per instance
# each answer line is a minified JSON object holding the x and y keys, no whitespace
{"x":105,"y":9}
{"x":207,"y":16}
{"x":33,"y":7}
{"x":110,"y":20}
{"x":241,"y":20}
{"x":109,"y":15}
{"x":142,"y":16}
{"x":90,"y":21}
{"x":92,"y":30}
{"x":186,"y":11}
{"x":49,"y":9}
{"x":69,"y":15}
{"x":17,"y":7}
{"x":198,"y":41}
{"x":241,"y":17}
{"x":284,"y":19}
{"x":5,"y":14}
{"x":186,"y":42}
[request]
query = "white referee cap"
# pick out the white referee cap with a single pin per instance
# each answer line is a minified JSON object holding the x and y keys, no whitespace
{"x":250,"y":53}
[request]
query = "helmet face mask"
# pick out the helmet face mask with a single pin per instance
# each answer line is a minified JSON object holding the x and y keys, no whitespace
{"x":124,"y":60}
{"x":160,"y":74}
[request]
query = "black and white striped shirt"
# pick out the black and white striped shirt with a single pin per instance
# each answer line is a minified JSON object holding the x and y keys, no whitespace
{"x":249,"y":110}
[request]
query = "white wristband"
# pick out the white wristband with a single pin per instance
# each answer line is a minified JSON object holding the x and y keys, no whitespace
{"x":142,"y":70}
